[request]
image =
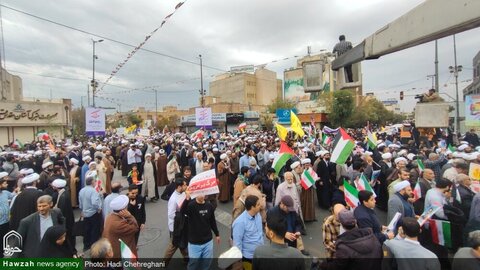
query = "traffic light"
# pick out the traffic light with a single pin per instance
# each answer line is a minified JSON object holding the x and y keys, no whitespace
{"x":401,"y":95}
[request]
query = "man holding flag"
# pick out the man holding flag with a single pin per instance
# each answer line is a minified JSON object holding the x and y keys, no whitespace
{"x":307,"y":181}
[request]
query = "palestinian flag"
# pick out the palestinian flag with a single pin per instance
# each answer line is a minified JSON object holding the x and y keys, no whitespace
{"x":363,"y":184}
{"x":283,"y":155}
{"x":342,"y":147}
{"x":451,"y":148}
{"x":326,"y":140}
{"x":421,"y":167}
{"x":417,"y":191}
{"x":127,"y":254}
{"x":371,"y":140}
{"x":43,"y":135}
{"x":308,"y":178}
{"x":17,"y":144}
{"x":441,"y":232}
{"x":351,"y":195}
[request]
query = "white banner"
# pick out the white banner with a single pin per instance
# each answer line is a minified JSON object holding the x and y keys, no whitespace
{"x":203,"y":117}
{"x":204,"y":183}
{"x":95,"y":121}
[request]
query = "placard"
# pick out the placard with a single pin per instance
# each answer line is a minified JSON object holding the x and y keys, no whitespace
{"x":474,"y":172}
{"x":94,"y":121}
{"x":203,"y":117}
{"x":204,"y":183}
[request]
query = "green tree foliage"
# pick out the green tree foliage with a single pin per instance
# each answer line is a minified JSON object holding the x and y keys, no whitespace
{"x":342,"y":108}
{"x":170,"y":122}
{"x":78,"y":121}
{"x":133,"y":119}
{"x":374,"y":111}
{"x":280,"y":103}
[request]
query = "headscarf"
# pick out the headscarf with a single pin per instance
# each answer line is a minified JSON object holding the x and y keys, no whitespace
{"x":48,"y":246}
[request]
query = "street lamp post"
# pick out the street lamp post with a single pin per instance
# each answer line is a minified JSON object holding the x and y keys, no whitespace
{"x":202,"y":92}
{"x":93,"y":82}
{"x":455,"y":70}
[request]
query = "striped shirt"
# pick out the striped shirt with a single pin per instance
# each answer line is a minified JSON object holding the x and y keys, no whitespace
{"x":342,"y":47}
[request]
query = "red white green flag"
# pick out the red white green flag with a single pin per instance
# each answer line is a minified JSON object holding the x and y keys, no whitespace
{"x":421,"y":167}
{"x":363,"y":184}
{"x":127,"y":254}
{"x":283,"y":155}
{"x":441,"y":232}
{"x":43,"y":135}
{"x":417,"y":191}
{"x":351,"y":195}
{"x":326,"y":140}
{"x":308,"y":178}
{"x":17,"y":144}
{"x":342,"y":147}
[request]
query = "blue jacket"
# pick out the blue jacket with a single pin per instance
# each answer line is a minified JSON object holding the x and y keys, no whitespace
{"x":366,"y":218}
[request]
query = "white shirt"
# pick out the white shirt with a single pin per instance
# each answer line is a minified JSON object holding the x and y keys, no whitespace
{"x":174,"y":204}
{"x":45,"y":223}
{"x":131,"y":156}
{"x":138,"y":156}
{"x":198,"y":166}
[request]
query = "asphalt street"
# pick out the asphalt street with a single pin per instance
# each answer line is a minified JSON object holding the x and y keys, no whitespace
{"x":155,"y":236}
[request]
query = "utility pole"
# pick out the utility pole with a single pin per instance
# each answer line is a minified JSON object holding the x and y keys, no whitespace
{"x":202,"y":92}
{"x":93,"y":82}
{"x":432,"y":77}
{"x":156,"y":107}
{"x":455,"y":70}
{"x":437,"y":86}
{"x":88,"y":95}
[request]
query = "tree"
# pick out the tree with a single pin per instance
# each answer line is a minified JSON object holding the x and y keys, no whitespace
{"x":325,"y":99}
{"x":342,"y":108}
{"x":280,"y":103}
{"x":78,"y":121}
{"x":134,"y":119}
{"x":267,"y":121}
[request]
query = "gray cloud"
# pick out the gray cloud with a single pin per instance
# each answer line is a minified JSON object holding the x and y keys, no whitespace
{"x":226,"y":33}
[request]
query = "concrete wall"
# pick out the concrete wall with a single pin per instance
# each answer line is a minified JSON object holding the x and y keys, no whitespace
{"x":12,"y":86}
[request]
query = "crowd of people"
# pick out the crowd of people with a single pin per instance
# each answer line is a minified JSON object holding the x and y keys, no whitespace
{"x":41,"y":187}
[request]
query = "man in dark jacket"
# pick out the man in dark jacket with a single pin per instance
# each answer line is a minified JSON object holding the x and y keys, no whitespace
{"x":64,"y":203}
{"x":367,"y":218}
{"x":136,"y":207}
{"x":25,"y":203}
{"x":356,"y":248}
{"x":326,"y":170}
{"x":33,"y":227}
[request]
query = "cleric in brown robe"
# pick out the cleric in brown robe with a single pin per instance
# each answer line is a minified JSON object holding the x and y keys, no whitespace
{"x":120,"y":225}
{"x":162,"y":179}
{"x":223,"y":179}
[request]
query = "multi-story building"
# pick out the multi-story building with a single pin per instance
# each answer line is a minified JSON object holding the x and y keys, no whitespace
{"x":21,"y":118}
{"x":474,"y":87}
{"x":258,"y":88}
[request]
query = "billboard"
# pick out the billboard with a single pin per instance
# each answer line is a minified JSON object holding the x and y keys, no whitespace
{"x":94,"y":121}
{"x":203,"y":117}
{"x":293,"y":85}
{"x":240,"y":69}
{"x":472,"y":111}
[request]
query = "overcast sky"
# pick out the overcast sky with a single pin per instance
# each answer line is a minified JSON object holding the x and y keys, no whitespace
{"x":56,"y":59}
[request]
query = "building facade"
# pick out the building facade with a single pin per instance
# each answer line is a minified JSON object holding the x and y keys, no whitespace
{"x":474,"y":87}
{"x":21,"y":119}
{"x":259,"y":88}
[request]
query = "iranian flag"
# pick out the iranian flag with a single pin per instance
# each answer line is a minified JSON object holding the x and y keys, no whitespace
{"x":283,"y":155}
{"x":43,"y":135}
{"x":363,"y":184}
{"x":126,"y":253}
{"x":351,"y":195}
{"x":342,"y":147}
{"x":372,"y":140}
{"x":417,"y":191}
{"x":421,"y":167}
{"x":441,"y":232}
{"x":326,"y":140}
{"x":197,"y":134}
{"x":308,"y":178}
{"x":17,"y":144}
